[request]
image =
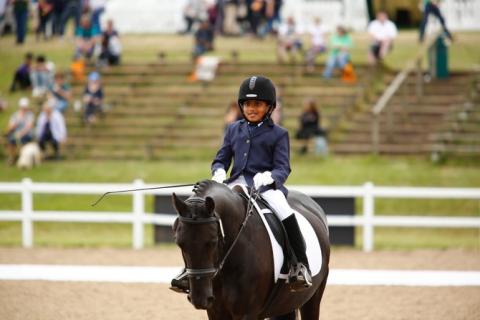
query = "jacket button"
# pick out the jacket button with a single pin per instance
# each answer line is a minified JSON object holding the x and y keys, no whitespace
{"x":248,"y":141}
{"x":245,"y":154}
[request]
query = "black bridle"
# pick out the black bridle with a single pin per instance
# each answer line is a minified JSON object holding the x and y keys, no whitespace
{"x":213,"y":271}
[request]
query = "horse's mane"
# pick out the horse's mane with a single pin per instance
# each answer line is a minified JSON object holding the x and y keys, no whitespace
{"x":206,"y":188}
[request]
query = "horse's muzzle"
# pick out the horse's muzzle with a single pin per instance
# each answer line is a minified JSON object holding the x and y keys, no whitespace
{"x":204,"y":304}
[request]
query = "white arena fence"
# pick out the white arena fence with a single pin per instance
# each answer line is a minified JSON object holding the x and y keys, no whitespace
{"x":138,"y":217}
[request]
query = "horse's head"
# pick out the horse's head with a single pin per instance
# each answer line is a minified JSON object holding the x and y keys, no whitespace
{"x":198,"y":232}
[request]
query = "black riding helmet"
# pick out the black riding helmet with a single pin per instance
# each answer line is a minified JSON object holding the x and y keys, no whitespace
{"x":257,"y":88}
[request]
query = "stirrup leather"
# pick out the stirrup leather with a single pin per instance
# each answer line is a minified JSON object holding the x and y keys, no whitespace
{"x":299,"y":277}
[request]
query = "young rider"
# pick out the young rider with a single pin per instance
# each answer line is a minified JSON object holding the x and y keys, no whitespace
{"x":260,"y":151}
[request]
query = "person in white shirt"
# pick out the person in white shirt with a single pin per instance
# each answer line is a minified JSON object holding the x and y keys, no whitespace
{"x":289,"y":40}
{"x":318,"y":44}
{"x":383,"y":32}
{"x":51,"y":128}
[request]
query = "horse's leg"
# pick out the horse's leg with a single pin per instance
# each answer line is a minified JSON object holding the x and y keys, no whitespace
{"x":311,"y":309}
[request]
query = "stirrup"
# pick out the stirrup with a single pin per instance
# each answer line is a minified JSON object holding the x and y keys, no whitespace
{"x":180,"y":283}
{"x":299,"y":277}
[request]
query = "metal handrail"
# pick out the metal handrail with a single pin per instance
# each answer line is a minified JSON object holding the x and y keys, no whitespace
{"x":411,"y":65}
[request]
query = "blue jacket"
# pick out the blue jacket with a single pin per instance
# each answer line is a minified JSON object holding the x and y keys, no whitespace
{"x":254,"y":150}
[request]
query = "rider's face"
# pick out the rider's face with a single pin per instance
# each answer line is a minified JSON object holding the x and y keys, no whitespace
{"x":255,"y":110}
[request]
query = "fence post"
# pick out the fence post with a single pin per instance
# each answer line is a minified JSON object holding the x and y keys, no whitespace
{"x":368,"y":213}
{"x":27,"y":211}
{"x":138,"y":212}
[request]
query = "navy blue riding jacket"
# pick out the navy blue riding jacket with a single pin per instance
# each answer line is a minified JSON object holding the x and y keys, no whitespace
{"x":255,"y":149}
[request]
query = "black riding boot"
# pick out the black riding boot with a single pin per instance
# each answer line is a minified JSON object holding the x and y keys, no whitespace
{"x":180,"y":283}
{"x":300,"y":275}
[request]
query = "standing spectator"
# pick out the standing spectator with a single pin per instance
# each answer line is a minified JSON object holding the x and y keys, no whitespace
{"x":71,"y":9}
{"x":92,"y":98}
{"x":382,"y":32}
{"x":97,"y":8}
{"x":21,"y":78}
{"x":203,"y":39}
{"x":20,"y":9}
{"x":41,"y":77}
{"x":256,"y":16}
{"x":87,"y":36}
{"x":289,"y":40}
{"x":432,"y":7}
{"x":340,"y":45}
{"x":20,"y":129}
{"x":194,"y":10}
{"x":111,"y":46}
{"x":45,"y":8}
{"x":51,"y":128}
{"x":57,"y":13}
{"x":318,"y":44}
{"x":3,"y":9}
{"x":61,"y":92}
{"x":309,"y":124}
{"x":272,"y":14}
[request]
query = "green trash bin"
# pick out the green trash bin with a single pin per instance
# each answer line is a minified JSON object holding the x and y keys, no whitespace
{"x":438,"y":59}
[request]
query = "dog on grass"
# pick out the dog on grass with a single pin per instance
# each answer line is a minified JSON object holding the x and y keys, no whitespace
{"x":30,"y":156}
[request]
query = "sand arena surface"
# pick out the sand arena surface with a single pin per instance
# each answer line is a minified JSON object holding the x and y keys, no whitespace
{"x":68,"y":300}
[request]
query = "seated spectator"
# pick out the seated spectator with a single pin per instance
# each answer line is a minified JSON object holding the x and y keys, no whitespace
{"x":41,"y":77}
{"x":51,"y":128}
{"x":20,"y":129}
{"x":339,"y":56}
{"x":289,"y":40}
{"x":87,"y":36}
{"x":382,"y":32}
{"x":318,"y":44}
{"x":92,"y":98}
{"x":111,"y":46}
{"x":21,"y":78}
{"x":203,"y":39}
{"x":233,"y":114}
{"x":309,"y":125}
{"x":61,"y":92}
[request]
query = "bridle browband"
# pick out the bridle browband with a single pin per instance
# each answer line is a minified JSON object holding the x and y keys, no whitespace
{"x":205,"y":272}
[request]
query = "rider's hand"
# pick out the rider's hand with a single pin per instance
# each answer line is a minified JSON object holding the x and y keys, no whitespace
{"x":219,"y":175}
{"x":262,"y":179}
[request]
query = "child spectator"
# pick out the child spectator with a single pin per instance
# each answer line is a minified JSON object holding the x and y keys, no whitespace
{"x":41,"y":77}
{"x":21,"y":78}
{"x":87,"y":37}
{"x":111,"y":46}
{"x":61,"y":92}
{"x":318,"y":44}
{"x":289,"y":40}
{"x":20,"y":129}
{"x":309,"y":125}
{"x":340,"y":45}
{"x":383,"y":32}
{"x":92,"y":98}
{"x":51,"y":128}
{"x":203,"y":39}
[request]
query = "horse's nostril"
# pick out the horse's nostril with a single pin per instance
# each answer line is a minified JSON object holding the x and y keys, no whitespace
{"x":189,"y":297}
{"x":210,"y":300}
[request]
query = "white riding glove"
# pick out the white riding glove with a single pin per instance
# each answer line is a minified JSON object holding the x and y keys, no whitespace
{"x":262,"y":179}
{"x":219,"y":175}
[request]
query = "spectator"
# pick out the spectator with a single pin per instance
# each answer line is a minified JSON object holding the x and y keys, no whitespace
{"x":41,"y":77}
{"x":58,"y":6}
{"x":309,"y":125}
{"x":45,"y":8}
{"x":318,"y":44}
{"x":92,"y":98}
{"x":20,"y":129}
{"x":97,"y":8}
{"x":111,"y":46}
{"x":432,"y":7}
{"x":21,"y":78}
{"x":70,"y":9}
{"x":194,"y":10}
{"x":61,"y":92}
{"x":203,"y":39}
{"x":272,"y":13}
{"x":3,"y":9}
{"x":20,"y":9}
{"x":233,"y":114}
{"x":51,"y":128}
{"x":289,"y":40}
{"x":383,"y":32}
{"x":256,"y":16}
{"x":340,"y":45}
{"x":86,"y":38}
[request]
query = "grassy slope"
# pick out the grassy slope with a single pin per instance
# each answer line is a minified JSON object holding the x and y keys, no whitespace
{"x":464,"y":54}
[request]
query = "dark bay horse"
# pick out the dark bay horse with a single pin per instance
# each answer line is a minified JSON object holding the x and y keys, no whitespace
{"x":243,"y":287}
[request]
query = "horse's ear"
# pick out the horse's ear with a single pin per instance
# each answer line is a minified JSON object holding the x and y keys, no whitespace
{"x":209,"y":204}
{"x":179,"y":205}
